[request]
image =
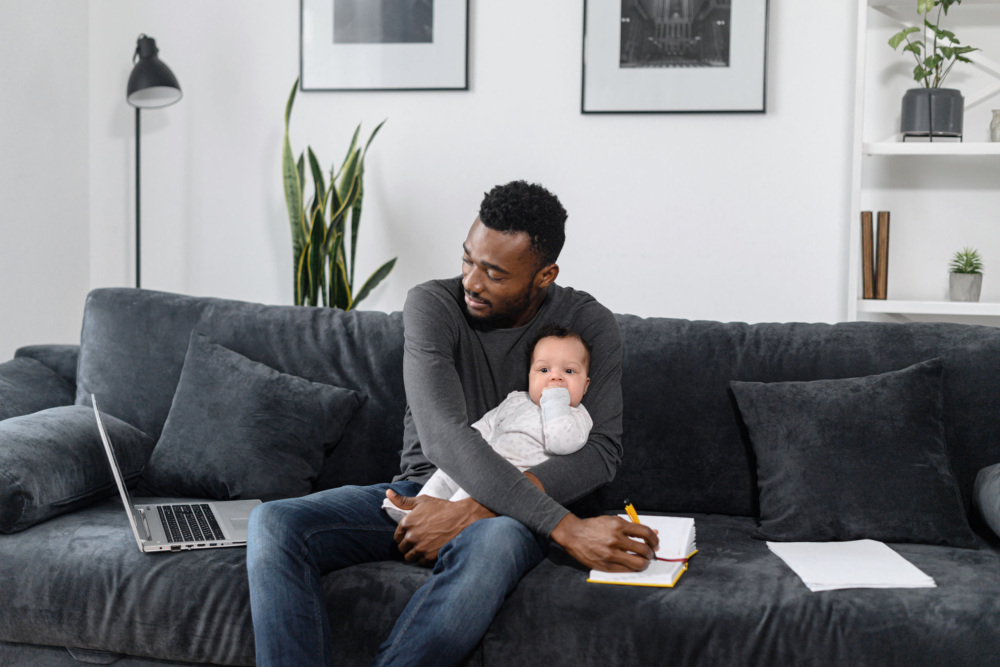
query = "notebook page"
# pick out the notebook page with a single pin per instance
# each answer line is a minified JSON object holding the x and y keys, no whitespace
{"x":677,"y":536}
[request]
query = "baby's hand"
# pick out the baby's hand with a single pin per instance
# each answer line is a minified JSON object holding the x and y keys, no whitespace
{"x":555,"y":395}
{"x":554,"y":403}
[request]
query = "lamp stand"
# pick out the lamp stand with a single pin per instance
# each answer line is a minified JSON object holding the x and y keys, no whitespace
{"x":138,"y":244}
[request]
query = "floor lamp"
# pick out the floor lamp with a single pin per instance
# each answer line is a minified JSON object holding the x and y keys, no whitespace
{"x":150,"y":85}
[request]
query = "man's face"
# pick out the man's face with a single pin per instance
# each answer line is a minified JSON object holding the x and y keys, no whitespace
{"x":559,"y":362}
{"x":500,"y":277}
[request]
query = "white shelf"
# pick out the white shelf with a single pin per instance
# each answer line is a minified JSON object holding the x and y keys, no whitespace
{"x":892,"y":307}
{"x":888,"y":173}
{"x":931,"y":148}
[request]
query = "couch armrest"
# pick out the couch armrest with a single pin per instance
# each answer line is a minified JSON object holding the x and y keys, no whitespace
{"x":60,"y":358}
{"x":986,"y":495}
{"x":27,"y":386}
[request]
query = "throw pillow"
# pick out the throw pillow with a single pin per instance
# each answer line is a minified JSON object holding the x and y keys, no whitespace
{"x":240,"y":429}
{"x":53,"y":462}
{"x":854,"y":458}
{"x":27,"y":386}
{"x":986,"y":496}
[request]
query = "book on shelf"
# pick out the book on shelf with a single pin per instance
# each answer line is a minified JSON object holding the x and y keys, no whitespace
{"x":882,"y":256}
{"x":867,"y":255}
{"x":677,"y":545}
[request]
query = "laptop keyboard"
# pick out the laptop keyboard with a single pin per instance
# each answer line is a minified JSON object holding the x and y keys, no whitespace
{"x":189,"y":523}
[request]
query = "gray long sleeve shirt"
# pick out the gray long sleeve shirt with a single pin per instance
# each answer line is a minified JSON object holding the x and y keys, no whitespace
{"x":455,"y":371}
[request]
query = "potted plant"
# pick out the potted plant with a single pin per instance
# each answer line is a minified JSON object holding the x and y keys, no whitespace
{"x":932,"y":111}
{"x":966,"y":279}
{"x":323,"y":260}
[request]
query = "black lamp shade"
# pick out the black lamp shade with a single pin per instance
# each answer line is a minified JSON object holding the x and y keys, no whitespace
{"x":151,"y":83}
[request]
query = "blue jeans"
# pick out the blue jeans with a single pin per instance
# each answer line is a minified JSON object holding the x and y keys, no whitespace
{"x":294,"y":542}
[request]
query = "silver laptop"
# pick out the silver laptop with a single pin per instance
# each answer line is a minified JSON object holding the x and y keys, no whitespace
{"x":184,"y":524}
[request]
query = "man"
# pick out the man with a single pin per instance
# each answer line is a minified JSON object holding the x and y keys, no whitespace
{"x":466,"y":347}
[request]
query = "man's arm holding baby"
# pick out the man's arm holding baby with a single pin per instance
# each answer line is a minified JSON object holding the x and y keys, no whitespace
{"x":605,"y":543}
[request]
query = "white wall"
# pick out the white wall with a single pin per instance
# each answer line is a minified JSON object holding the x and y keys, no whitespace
{"x":719,"y":216}
{"x":43,"y":172}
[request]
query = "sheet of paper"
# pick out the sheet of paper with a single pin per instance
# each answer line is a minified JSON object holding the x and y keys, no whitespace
{"x":826,"y":566}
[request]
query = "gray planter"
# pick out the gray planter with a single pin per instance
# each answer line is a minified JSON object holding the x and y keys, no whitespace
{"x":964,"y":286}
{"x":932,"y":112}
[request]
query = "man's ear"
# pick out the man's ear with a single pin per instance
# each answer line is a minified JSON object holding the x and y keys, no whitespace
{"x":546,"y":275}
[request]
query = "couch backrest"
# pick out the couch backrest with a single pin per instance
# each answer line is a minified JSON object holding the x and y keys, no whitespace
{"x":133,"y":345}
{"x":685,"y":447}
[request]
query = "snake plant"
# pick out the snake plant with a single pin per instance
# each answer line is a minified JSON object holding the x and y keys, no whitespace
{"x":324,"y":266}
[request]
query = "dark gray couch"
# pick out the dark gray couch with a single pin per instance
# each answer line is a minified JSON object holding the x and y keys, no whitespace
{"x":75,"y":589}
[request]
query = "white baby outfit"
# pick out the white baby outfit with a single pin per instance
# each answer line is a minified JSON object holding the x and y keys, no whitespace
{"x":523,"y":433}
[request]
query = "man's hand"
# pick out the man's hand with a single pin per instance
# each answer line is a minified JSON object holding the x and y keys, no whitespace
{"x":605,"y":542}
{"x":431,"y":524}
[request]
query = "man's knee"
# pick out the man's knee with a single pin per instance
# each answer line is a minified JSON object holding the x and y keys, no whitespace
{"x":270,"y":532}
{"x":501,"y":530}
{"x":500,"y":545}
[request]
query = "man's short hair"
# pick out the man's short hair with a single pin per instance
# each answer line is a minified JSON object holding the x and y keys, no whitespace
{"x":525,"y":207}
{"x":554,"y":330}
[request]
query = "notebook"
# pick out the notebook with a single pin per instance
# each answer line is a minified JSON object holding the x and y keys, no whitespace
{"x":180,"y":525}
{"x":677,"y":545}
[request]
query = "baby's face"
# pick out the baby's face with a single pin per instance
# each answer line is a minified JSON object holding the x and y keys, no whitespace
{"x":559,"y":362}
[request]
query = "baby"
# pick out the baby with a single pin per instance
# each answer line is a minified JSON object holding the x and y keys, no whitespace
{"x":529,"y":427}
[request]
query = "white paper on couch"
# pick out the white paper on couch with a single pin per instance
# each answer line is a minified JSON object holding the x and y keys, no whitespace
{"x":827,"y":566}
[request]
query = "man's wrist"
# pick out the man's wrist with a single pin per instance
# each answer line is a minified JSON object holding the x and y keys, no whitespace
{"x":475,"y":510}
{"x":563,"y":532}
{"x":534,"y":480}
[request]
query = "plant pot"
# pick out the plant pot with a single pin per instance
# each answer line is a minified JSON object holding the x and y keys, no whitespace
{"x":965,"y":286}
{"x":932,"y":112}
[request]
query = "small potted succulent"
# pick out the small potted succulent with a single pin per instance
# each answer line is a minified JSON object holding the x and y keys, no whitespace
{"x":966,"y":279}
{"x":932,"y":111}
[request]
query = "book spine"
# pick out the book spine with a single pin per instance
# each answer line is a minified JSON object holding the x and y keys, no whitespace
{"x":882,"y":256}
{"x":867,"y":255}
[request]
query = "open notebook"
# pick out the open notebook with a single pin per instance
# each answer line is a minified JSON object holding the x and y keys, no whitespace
{"x":677,"y":545}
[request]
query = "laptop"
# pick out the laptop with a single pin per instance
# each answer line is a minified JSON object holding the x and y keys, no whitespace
{"x":184,"y":524}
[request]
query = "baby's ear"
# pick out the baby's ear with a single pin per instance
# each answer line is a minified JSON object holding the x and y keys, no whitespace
{"x":586,"y":386}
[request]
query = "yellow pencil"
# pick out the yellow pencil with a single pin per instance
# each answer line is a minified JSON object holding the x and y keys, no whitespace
{"x":632,"y":514}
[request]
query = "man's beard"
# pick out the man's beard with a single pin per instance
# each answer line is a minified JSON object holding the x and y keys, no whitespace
{"x":501,"y":319}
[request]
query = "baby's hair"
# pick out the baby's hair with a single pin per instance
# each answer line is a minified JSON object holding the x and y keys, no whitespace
{"x":553,"y":330}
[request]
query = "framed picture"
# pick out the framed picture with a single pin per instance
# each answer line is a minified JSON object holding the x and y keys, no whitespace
{"x":384,"y":44}
{"x":670,"y":56}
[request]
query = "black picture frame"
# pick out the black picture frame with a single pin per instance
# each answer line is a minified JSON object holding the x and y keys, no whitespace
{"x":705,"y":57}
{"x":419,"y":51}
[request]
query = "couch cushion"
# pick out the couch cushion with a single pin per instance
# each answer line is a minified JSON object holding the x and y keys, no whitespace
{"x":53,"y":462}
{"x":134,"y":342}
{"x":27,"y":385}
{"x":685,"y":447}
{"x":240,"y":429}
{"x":738,"y":604}
{"x":80,"y":580}
{"x":854,"y":458}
